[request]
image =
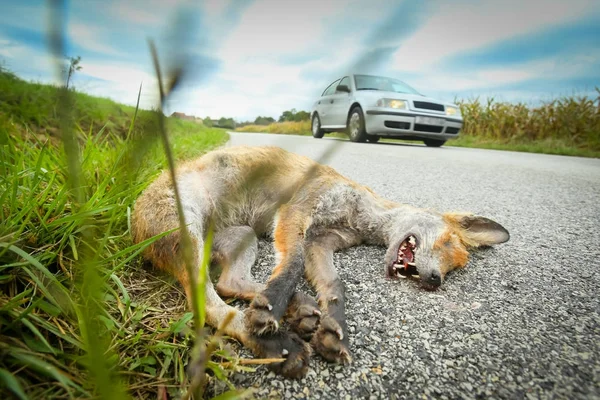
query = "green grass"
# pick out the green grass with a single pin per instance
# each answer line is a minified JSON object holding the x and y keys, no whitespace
{"x":545,"y":146}
{"x":79,"y":315}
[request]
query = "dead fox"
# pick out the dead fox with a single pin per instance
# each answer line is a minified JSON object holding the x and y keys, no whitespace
{"x":311,"y":212}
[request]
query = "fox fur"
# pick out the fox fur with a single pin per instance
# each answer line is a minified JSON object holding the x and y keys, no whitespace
{"x":311,"y":211}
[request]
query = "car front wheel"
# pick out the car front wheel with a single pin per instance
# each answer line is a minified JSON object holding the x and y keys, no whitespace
{"x":317,"y":132}
{"x":356,"y":125}
{"x":434,"y":142}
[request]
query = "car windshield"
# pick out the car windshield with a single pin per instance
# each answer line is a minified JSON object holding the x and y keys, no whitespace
{"x":371,"y":82}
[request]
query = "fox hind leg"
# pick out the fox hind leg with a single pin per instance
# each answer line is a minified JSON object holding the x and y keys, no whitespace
{"x":331,"y":338}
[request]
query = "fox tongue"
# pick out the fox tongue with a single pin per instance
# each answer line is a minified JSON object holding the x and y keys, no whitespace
{"x":407,"y":257}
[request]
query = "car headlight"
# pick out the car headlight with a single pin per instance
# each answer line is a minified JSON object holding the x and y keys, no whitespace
{"x":391,"y":103}
{"x":450,"y":110}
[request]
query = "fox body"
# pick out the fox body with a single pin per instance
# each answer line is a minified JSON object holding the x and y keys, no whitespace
{"x":311,"y":211}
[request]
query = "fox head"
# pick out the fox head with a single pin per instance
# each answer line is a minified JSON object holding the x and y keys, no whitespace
{"x":427,"y":245}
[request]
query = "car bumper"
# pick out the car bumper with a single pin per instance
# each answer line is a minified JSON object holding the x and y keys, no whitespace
{"x":406,"y":124}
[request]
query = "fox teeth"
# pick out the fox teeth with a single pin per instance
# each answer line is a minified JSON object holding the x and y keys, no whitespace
{"x":412,"y":241}
{"x":399,"y":275}
{"x":412,"y":264}
{"x":415,"y":276}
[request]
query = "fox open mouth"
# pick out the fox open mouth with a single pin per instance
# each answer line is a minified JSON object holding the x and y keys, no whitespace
{"x":404,"y":265}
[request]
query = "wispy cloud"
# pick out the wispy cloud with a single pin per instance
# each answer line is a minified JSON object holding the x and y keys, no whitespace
{"x":457,"y":27}
{"x":92,"y":39}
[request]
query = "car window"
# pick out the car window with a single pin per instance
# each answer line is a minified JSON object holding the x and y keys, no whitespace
{"x":344,"y":81}
{"x":370,"y":82}
{"x":331,"y":88}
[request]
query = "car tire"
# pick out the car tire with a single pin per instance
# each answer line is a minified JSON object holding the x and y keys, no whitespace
{"x":373,"y":138}
{"x":434,"y":142}
{"x":315,"y":128}
{"x":356,"y":125}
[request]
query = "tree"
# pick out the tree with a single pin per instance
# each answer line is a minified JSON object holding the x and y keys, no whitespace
{"x":294,"y":116}
{"x":302,"y":116}
{"x":228,"y":123}
{"x":263,"y":120}
{"x":207,"y":122}
{"x":73,"y":66}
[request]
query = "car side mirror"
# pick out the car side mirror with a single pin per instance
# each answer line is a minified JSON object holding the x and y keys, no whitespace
{"x":343,"y":88}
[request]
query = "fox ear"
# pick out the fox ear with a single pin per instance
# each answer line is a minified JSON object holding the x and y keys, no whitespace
{"x":478,"y":231}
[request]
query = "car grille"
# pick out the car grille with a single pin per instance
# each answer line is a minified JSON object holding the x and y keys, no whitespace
{"x":425,"y":105}
{"x":428,"y":128}
{"x":452,"y":130}
{"x":397,"y":125}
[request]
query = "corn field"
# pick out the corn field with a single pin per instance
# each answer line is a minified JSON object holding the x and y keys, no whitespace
{"x":574,"y":120}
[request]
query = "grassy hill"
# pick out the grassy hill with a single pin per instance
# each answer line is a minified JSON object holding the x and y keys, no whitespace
{"x":79,"y":316}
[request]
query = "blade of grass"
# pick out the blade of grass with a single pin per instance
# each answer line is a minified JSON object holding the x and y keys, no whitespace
{"x":12,"y":384}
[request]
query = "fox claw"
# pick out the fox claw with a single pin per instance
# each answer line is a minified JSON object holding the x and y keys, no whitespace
{"x":329,"y":342}
{"x":259,"y":318}
{"x":283,"y":345}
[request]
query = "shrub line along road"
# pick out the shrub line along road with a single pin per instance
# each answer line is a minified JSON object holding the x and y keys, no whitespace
{"x":521,"y":321}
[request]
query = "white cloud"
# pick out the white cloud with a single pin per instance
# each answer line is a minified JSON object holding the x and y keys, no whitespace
{"x":10,"y":49}
{"x":215,"y":8}
{"x":259,"y":89}
{"x":90,"y":38}
{"x":28,"y":62}
{"x":271,"y":28}
{"x":121,"y":82}
{"x":270,"y":31}
{"x":126,"y":74}
{"x":455,"y":29}
{"x":137,"y":13}
{"x":549,"y":69}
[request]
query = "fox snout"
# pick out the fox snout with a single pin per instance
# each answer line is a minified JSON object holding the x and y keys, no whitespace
{"x":431,"y":280}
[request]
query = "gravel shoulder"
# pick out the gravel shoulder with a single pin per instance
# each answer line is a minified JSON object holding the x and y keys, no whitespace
{"x":521,"y":321}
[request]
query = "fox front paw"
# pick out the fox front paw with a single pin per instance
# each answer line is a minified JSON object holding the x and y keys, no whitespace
{"x":331,"y":342}
{"x":259,"y":317}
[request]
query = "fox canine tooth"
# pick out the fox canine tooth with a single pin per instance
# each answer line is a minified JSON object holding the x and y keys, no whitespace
{"x":415,"y":276}
{"x":399,"y":275}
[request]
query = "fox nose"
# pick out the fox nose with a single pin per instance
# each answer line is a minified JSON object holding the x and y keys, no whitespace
{"x":435,"y":279}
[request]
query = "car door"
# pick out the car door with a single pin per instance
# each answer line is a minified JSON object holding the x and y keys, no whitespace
{"x":339,"y":104}
{"x":324,"y":104}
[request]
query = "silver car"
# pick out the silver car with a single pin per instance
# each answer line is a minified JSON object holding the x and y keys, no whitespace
{"x":369,"y":107}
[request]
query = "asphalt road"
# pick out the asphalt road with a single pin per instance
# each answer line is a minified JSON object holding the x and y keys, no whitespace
{"x":521,"y":321}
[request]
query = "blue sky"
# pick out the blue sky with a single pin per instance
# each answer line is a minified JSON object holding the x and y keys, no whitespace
{"x":250,"y":58}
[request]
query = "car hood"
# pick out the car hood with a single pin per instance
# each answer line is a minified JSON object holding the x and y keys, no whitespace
{"x":374,"y":95}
